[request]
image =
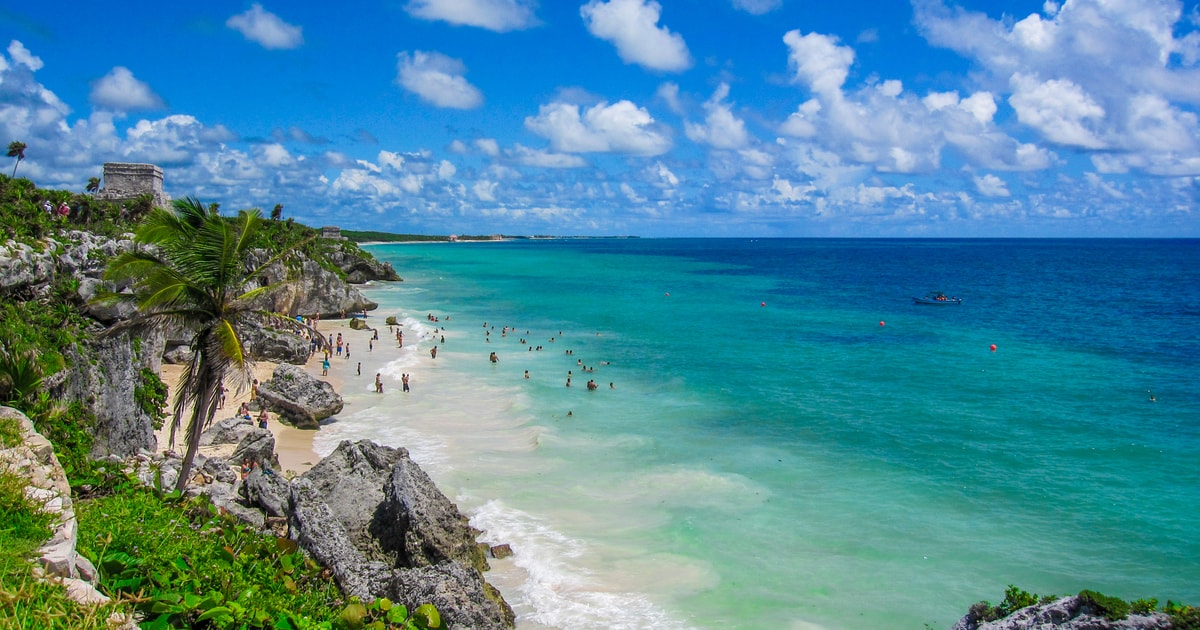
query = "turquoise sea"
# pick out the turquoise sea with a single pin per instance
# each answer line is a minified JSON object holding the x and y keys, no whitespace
{"x":788,"y":441}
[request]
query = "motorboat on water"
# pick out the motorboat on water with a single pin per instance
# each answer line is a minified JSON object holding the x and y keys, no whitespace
{"x":937,"y":298}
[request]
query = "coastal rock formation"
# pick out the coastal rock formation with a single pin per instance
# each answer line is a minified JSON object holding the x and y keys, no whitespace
{"x":380,"y":524}
{"x":313,"y":290}
{"x":34,"y":459}
{"x":105,"y":377}
{"x":299,"y":398}
{"x":227,"y":431}
{"x":1067,"y":613}
{"x":276,"y":346}
{"x":359,"y":269}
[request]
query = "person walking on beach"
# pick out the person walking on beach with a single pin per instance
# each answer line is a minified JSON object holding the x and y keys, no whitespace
{"x":262,"y":419}
{"x":254,"y":389}
{"x":325,"y":366}
{"x":404,"y":381}
{"x":347,"y":349}
{"x":378,"y":384}
{"x":360,"y":368}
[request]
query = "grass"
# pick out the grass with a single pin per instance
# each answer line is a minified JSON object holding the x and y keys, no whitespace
{"x":24,"y":601}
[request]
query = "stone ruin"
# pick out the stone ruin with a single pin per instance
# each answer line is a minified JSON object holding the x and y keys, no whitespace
{"x":125,"y":182}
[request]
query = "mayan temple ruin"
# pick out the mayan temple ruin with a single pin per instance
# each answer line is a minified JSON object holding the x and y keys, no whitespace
{"x":124,"y":181}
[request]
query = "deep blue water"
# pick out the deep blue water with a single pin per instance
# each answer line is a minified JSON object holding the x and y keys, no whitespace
{"x":789,"y":441}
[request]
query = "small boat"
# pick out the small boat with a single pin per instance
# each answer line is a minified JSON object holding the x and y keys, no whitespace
{"x":937,"y":298}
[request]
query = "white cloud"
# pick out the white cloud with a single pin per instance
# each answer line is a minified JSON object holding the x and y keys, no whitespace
{"x":818,"y":61}
{"x":632,"y":26}
{"x":621,"y":128}
{"x":488,"y":146}
{"x":495,"y":15}
{"x":1059,"y":109}
{"x":275,"y":155}
{"x":437,"y":79}
{"x":120,"y":91}
{"x":266,"y":29}
{"x":544,"y":159}
{"x":757,"y":7}
{"x":669,"y":93}
{"x":721,"y":128}
{"x":991,"y":186}
{"x":21,"y":55}
{"x":485,"y":190}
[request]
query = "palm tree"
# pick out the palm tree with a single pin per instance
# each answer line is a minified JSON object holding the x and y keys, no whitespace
{"x":93,"y":184}
{"x":16,"y":149}
{"x":196,"y":275}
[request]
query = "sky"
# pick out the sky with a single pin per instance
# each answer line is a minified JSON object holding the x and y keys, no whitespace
{"x":760,"y":118}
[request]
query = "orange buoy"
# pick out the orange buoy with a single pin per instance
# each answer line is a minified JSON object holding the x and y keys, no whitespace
{"x":992,"y":347}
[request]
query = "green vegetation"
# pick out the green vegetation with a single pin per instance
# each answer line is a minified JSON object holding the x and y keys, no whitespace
{"x":151,"y":396}
{"x":24,"y":601}
{"x":368,"y":236}
{"x":1111,"y":608}
{"x":179,"y":562}
{"x":198,"y":278}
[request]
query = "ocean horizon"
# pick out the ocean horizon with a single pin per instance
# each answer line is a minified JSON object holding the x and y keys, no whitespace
{"x":779,"y":437}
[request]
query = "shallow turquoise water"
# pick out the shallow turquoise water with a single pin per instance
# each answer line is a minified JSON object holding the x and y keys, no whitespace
{"x":788,"y":441}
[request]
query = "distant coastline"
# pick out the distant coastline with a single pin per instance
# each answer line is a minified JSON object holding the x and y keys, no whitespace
{"x":368,"y":237}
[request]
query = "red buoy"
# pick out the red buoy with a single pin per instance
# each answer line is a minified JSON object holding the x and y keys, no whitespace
{"x":881,"y":322}
{"x":764,"y":304}
{"x":992,"y":347}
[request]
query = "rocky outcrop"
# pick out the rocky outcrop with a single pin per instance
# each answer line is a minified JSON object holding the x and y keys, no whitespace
{"x":311,"y":290}
{"x":360,"y":269}
{"x":276,"y":346}
{"x":298,"y":398}
{"x":380,"y":524}
{"x":1067,"y":613}
{"x":104,"y":376}
{"x":34,"y":460}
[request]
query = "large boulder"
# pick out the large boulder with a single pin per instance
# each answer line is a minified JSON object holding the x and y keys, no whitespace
{"x":258,"y":446}
{"x":381,"y":525}
{"x":298,"y":398}
{"x":310,"y":290}
{"x":276,"y":346}
{"x":227,"y":431}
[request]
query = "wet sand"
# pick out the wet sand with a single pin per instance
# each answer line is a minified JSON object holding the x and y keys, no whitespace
{"x":293,"y":446}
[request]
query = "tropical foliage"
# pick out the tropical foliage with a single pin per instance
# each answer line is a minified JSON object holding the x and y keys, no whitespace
{"x":194,"y":276}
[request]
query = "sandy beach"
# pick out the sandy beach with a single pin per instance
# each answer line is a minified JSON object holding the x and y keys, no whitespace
{"x":293,"y":446}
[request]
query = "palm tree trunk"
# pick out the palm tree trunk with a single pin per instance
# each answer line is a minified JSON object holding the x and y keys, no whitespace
{"x":202,"y":413}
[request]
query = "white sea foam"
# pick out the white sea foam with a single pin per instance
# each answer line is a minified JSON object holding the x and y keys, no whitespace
{"x":551,"y":584}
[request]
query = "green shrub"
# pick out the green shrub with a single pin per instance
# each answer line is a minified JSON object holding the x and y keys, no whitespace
{"x":1143,"y":606}
{"x":1112,"y":608}
{"x":1182,"y":617}
{"x":151,"y":396}
{"x":10,"y":432}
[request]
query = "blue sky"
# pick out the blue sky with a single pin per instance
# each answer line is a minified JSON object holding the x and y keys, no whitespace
{"x":628,"y":117}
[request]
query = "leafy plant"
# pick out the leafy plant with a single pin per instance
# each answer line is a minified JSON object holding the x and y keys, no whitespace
{"x":1112,"y":608}
{"x":1182,"y":617}
{"x":151,"y":395}
{"x":382,"y":614}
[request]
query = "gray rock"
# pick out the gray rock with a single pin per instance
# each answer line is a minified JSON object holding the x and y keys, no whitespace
{"x":265,"y":344}
{"x":259,"y":447}
{"x":377,"y":520}
{"x":299,"y":398}
{"x":103,"y":376}
{"x":464,"y":600}
{"x":269,"y":492}
{"x":314,"y":290}
{"x":1067,"y":613}
{"x":227,"y":431}
{"x":320,"y":532}
{"x":433,"y":529}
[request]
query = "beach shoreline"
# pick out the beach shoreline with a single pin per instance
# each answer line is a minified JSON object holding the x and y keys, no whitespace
{"x":294,"y":447}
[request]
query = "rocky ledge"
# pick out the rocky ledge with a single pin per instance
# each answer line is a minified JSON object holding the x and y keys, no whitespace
{"x":1067,"y":613}
{"x":366,"y":512}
